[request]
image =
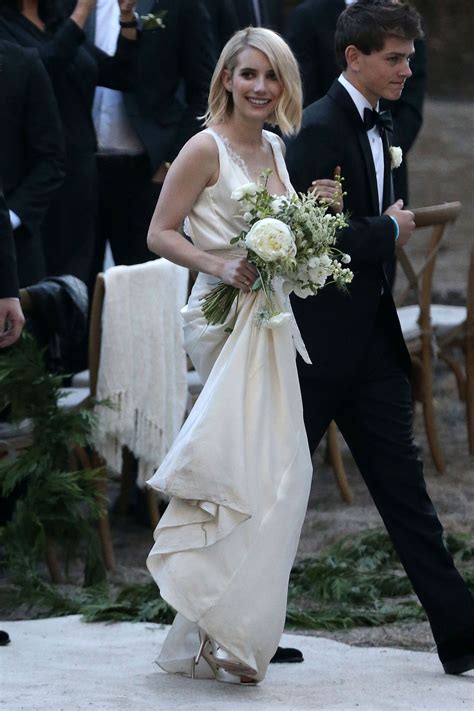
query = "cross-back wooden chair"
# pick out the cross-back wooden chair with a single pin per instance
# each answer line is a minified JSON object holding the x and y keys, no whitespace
{"x":454,"y":331}
{"x":417,"y":318}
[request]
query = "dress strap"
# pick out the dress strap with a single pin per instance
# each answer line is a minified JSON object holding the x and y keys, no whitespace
{"x":224,"y":143}
{"x":275,"y":143}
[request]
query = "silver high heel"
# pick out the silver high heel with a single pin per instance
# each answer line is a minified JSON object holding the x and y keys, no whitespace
{"x":216,"y":662}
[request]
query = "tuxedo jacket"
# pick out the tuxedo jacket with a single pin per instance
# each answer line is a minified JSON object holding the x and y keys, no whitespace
{"x":310,"y":32}
{"x":8,"y":276}
{"x":337,"y":325}
{"x":175,"y":65}
{"x":31,"y":150}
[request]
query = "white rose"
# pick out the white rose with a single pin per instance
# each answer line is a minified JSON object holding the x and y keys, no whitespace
{"x":396,"y":156}
{"x":278,"y":204}
{"x":243,"y":190}
{"x":277,"y":320}
{"x":271,"y":239}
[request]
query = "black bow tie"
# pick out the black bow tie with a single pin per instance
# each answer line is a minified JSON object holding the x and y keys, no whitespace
{"x":382,"y":120}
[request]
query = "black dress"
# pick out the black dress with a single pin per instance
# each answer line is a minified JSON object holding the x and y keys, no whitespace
{"x":76,"y":67}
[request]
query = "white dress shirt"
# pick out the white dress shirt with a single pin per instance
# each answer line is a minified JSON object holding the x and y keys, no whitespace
{"x":373,"y":135}
{"x":115,"y":134}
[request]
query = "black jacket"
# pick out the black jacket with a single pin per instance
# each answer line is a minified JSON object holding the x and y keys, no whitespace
{"x":336,"y":325}
{"x":8,"y":276}
{"x":175,"y":65}
{"x":31,"y":151}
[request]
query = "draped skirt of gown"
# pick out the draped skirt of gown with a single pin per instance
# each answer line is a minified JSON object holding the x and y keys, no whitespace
{"x":238,"y":475}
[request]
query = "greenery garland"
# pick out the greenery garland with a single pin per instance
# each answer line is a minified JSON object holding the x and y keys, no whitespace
{"x":358,"y":581}
{"x":56,"y":507}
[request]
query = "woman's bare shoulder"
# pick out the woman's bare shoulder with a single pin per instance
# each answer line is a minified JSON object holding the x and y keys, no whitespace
{"x":201,"y":146}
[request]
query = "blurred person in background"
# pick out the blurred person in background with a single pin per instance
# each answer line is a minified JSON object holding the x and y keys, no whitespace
{"x":141,"y":132}
{"x":75,"y":67}
{"x":31,"y":153}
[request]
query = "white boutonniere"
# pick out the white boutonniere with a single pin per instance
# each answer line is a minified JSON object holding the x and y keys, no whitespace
{"x":153,"y":21}
{"x":396,"y":157}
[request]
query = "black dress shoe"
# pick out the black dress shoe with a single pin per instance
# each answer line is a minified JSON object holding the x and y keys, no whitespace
{"x":286,"y":655}
{"x":457,"y":654}
{"x":4,"y":638}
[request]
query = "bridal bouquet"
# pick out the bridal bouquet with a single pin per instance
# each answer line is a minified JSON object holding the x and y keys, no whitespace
{"x":289,"y":238}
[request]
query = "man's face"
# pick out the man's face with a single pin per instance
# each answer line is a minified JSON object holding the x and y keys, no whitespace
{"x":381,"y":74}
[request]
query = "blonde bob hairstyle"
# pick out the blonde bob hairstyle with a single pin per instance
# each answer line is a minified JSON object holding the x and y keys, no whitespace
{"x":287,"y":114}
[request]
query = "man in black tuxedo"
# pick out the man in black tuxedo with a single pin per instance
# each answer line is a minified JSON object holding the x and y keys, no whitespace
{"x":11,"y":315}
{"x":31,"y":152}
{"x":142,"y":135}
{"x":310,"y":33}
{"x":359,"y":376}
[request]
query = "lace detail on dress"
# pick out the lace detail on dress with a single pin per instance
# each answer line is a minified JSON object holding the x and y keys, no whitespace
{"x":235,"y":158}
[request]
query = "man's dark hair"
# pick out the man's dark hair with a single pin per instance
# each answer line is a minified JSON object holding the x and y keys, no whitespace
{"x":368,"y":23}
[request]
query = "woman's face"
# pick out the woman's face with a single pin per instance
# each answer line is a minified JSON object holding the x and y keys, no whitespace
{"x":254,"y":85}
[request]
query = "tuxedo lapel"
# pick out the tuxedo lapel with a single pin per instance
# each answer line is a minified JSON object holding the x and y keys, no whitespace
{"x":340,"y":95}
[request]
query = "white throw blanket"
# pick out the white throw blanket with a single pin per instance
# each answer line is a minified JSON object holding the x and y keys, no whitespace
{"x":142,"y":370}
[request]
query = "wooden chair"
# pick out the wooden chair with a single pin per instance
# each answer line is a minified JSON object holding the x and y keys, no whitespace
{"x":16,"y":440}
{"x":128,"y":459}
{"x":454,"y":330}
{"x":417,"y":319}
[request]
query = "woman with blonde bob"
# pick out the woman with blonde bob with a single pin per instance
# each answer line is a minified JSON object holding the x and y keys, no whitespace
{"x":239,"y":472}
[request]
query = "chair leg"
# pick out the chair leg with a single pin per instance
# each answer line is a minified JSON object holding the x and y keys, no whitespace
{"x":103,"y":524}
{"x":334,"y":455}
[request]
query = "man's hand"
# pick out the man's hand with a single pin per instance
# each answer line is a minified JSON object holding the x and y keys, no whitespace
{"x":329,"y":191}
{"x":11,"y":321}
{"x":127,"y":10}
{"x":405,"y":219}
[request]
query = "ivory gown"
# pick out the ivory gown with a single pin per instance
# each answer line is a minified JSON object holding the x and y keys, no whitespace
{"x":239,"y":472}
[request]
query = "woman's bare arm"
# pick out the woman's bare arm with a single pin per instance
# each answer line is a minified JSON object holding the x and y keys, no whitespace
{"x":195,"y":168}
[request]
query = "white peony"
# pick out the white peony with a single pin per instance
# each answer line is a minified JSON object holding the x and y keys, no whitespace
{"x":243,"y":190}
{"x":271,"y":239}
{"x":396,"y":156}
{"x":277,"y":320}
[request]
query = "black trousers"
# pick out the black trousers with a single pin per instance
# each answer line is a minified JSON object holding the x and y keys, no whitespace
{"x":373,"y":411}
{"x":127,"y":200}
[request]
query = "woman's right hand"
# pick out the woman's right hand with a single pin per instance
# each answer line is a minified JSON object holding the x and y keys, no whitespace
{"x":238,"y":272}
